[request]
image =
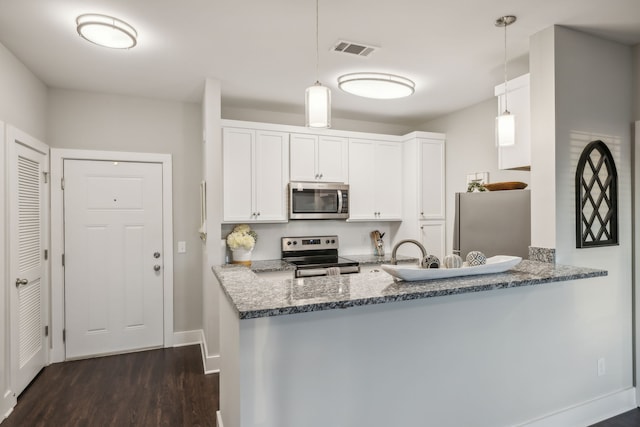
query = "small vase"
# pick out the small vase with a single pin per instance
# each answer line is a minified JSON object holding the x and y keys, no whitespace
{"x":241,"y":256}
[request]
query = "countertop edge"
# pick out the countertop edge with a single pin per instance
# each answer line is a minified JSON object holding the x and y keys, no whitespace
{"x":509,"y":279}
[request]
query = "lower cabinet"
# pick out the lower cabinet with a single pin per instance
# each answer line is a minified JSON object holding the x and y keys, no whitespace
{"x":375,"y":180}
{"x":433,"y":238}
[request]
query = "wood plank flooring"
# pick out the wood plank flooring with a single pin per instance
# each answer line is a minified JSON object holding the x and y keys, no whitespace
{"x":163,"y":387}
{"x":628,"y":419}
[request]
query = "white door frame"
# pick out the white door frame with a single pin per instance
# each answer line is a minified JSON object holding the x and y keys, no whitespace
{"x":58,"y":156}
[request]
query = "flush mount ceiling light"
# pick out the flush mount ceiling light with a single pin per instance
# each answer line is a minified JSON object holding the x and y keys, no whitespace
{"x":505,"y":122}
{"x":106,"y":31}
{"x":317,"y":98}
{"x":376,"y":85}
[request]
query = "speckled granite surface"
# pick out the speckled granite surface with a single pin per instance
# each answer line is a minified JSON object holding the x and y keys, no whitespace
{"x":542,"y":254}
{"x":373,"y":259}
{"x":255,"y":297}
{"x":271,"y":265}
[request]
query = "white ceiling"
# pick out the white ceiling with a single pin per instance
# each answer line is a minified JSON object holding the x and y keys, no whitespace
{"x":263,"y":51}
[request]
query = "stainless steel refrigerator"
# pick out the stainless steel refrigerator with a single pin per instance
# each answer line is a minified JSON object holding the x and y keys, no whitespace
{"x":493,"y":222}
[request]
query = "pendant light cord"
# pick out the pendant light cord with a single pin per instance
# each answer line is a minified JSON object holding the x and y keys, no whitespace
{"x":317,"y":48}
{"x":506,"y":109}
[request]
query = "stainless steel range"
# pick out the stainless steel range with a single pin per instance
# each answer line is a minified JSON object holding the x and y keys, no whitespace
{"x":316,"y":256}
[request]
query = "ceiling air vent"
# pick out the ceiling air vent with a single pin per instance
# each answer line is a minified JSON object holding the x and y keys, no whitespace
{"x":354,"y":48}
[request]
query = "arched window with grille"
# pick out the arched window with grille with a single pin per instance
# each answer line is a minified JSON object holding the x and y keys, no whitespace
{"x":596,"y":197}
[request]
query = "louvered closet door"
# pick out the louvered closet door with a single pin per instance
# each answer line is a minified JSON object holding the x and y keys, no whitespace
{"x":27,"y":273}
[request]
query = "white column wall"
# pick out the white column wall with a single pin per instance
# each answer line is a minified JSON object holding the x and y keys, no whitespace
{"x":212,"y":254}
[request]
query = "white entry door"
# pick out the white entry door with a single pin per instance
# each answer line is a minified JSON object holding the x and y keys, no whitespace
{"x":28,"y":160}
{"x":113,"y":257}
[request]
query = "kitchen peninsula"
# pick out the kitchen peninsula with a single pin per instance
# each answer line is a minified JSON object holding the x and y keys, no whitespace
{"x":288,"y":358}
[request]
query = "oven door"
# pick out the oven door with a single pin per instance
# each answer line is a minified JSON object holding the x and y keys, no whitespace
{"x":310,"y":200}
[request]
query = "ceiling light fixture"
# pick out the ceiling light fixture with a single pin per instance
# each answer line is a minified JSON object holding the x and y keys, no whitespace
{"x":317,"y":99}
{"x":376,"y":85}
{"x":505,"y":122}
{"x":106,"y":31}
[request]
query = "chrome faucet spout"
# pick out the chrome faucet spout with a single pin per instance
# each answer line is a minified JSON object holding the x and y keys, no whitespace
{"x":394,"y":261}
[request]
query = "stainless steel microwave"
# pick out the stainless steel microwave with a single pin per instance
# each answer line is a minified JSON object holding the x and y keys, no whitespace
{"x":315,"y":200}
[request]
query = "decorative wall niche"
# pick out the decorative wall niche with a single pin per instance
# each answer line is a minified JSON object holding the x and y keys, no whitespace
{"x":596,"y":197}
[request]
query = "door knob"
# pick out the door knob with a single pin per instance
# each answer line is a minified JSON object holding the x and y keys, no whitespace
{"x":156,"y":267}
{"x":21,"y":282}
{"x":156,"y":254}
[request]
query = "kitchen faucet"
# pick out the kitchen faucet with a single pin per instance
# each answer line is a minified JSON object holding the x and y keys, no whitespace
{"x":394,"y":261}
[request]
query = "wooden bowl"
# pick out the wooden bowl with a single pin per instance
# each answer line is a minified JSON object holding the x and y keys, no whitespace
{"x":509,"y":185}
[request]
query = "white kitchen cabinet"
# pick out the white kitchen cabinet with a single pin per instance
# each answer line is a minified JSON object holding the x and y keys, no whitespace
{"x":517,"y":156}
{"x":255,"y":175}
{"x":431,"y":179}
{"x":318,"y":158}
{"x":433,"y":238}
{"x":375,"y":180}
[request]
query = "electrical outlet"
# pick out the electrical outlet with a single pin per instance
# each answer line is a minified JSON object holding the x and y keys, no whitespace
{"x":182,"y":247}
{"x":602,"y":367}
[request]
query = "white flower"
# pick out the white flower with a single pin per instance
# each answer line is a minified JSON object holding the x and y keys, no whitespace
{"x":242,"y":236}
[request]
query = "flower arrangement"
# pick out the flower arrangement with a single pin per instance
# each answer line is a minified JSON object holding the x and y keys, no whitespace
{"x":242,"y":236}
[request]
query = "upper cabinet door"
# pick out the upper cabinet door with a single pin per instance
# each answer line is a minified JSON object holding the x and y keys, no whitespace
{"x":318,"y":158}
{"x":238,"y":174}
{"x":517,"y":156}
{"x":255,"y":175}
{"x":388,"y":180}
{"x":272,"y":175}
{"x":332,"y":159}
{"x":362,"y":204}
{"x":303,"y":157}
{"x":432,"y":201}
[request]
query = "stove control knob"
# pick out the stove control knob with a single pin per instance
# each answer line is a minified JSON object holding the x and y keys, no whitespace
{"x":333,"y":241}
{"x":327,"y":242}
{"x":295,"y":242}
{"x":289,"y":243}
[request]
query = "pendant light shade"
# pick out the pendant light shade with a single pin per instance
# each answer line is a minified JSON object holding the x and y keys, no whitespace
{"x":505,"y":122}
{"x":317,"y":100}
{"x":505,"y":129}
{"x":317,"y":103}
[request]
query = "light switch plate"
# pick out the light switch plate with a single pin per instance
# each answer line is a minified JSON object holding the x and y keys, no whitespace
{"x":182,"y":247}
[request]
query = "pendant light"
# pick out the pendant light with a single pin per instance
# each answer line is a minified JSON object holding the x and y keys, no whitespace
{"x":317,"y":98}
{"x":505,"y":122}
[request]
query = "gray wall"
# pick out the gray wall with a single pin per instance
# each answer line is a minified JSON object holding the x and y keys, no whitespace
{"x":93,"y":121}
{"x":23,"y":101}
{"x":469,"y":147}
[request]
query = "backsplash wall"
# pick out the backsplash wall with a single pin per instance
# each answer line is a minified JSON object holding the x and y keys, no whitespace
{"x":354,"y":236}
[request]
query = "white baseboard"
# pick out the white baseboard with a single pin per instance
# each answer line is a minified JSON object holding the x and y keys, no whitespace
{"x":211,"y":363}
{"x":183,"y":338}
{"x":589,"y":412}
{"x":7,"y":404}
{"x":219,"y":419}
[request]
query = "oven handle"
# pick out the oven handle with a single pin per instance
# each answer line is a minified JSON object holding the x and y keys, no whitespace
{"x":339,"y":201}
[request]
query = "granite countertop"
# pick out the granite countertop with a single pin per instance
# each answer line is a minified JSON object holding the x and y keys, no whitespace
{"x":265,"y":266}
{"x":255,"y":297}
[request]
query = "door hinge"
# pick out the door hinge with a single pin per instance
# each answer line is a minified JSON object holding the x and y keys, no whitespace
{"x":46,"y":177}
{"x":63,"y":260}
{"x":46,"y":254}
{"x":62,"y":183}
{"x":64,"y":335}
{"x":46,"y":331}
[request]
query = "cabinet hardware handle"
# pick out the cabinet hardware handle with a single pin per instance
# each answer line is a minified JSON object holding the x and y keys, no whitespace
{"x":258,"y":214}
{"x":422,"y":213}
{"x":21,"y":282}
{"x":321,"y":175}
{"x":156,"y":267}
{"x":156,"y":254}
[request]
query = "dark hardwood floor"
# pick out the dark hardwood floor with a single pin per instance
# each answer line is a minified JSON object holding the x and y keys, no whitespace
{"x":152,"y":388}
{"x":628,"y":419}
